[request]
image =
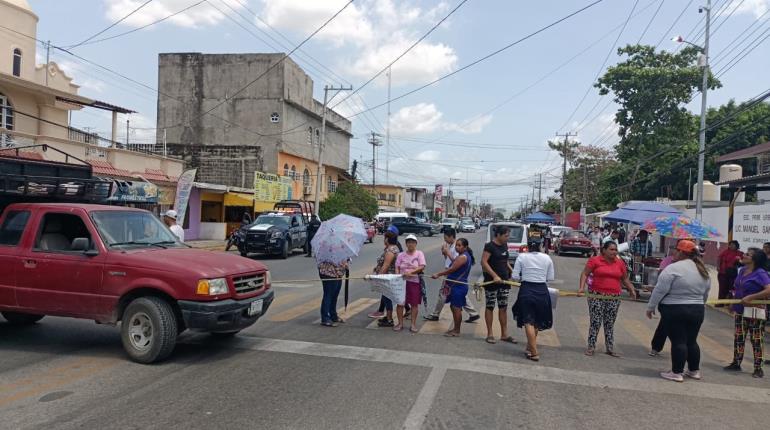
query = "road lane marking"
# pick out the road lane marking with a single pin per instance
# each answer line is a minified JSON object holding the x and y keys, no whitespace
{"x":716,"y":350}
{"x":581,"y":323}
{"x":640,"y":331}
{"x":294,"y":312}
{"x":480,"y":331}
{"x":283,"y":298}
{"x":425,"y":399}
{"x":548,"y":338}
{"x":56,"y":371}
{"x":353,"y":308}
{"x":438,"y":327}
{"x":651,"y":384}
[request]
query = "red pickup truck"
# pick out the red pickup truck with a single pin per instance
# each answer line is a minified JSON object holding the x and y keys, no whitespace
{"x":116,"y":264}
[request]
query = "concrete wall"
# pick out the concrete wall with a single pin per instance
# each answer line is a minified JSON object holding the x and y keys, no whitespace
{"x":192,"y":83}
{"x":24,"y":22}
{"x":231,"y":165}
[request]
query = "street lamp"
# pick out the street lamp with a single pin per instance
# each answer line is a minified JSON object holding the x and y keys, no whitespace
{"x":703,"y":61}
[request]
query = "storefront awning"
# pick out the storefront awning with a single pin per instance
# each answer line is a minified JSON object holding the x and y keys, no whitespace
{"x":238,"y":199}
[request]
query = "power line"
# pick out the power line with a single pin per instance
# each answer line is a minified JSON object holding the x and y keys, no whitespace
{"x":649,"y":23}
{"x":137,"y":9}
{"x":484,"y":58}
{"x":91,"y":42}
{"x":400,"y":56}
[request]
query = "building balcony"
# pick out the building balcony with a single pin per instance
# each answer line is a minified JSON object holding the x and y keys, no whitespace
{"x":119,"y":161}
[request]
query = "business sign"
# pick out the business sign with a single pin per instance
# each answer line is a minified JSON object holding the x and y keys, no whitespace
{"x":438,"y":196}
{"x":751,"y":225}
{"x":134,"y":192}
{"x":183,"y":188}
{"x":272,"y":188}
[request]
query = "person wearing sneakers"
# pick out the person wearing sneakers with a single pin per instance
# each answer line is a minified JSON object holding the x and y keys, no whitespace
{"x":497,"y":270}
{"x":680,"y":295}
{"x":752,"y":283}
{"x":449,"y":253}
{"x":410,"y":264}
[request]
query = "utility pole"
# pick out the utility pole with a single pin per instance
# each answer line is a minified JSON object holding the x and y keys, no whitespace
{"x":702,"y":137}
{"x":387,"y":136}
{"x":565,"y":154}
{"x":47,"y":60}
{"x":375,"y":143}
{"x":128,"y":129}
{"x":318,"y":176}
{"x":540,"y":192}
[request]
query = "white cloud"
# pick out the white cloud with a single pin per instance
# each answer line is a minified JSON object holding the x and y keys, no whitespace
{"x":75,"y":71}
{"x":424,"y":118}
{"x":429,"y":155}
{"x":755,"y":7}
{"x":198,"y":16}
{"x":302,"y":17}
{"x":376,"y":32}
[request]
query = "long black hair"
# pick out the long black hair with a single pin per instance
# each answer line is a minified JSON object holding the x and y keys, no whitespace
{"x":468,"y":249}
{"x":758,"y":257}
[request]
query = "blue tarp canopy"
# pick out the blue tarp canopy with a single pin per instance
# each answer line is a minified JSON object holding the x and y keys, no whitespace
{"x":540,"y":217}
{"x":640,"y":212}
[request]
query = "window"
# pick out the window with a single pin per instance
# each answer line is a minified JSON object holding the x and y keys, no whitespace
{"x":381,"y":196}
{"x":332,"y":185}
{"x":17,"y":62}
{"x":274,"y":117}
{"x":13,"y":227}
{"x":286,"y":169}
{"x":293,"y":173}
{"x":391,"y":197}
{"x":306,"y":178}
{"x":317,"y":136}
{"x":58,"y":232}
{"x":310,"y":135}
{"x":6,"y":113}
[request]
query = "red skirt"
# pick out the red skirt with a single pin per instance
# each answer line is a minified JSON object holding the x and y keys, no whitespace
{"x":413,"y":293}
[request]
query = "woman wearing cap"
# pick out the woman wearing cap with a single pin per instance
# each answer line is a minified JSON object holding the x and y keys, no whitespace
{"x":752,"y":283}
{"x":457,"y":283}
{"x":609,"y":272}
{"x":680,"y":296}
{"x":532,"y":309}
{"x":410,"y":264}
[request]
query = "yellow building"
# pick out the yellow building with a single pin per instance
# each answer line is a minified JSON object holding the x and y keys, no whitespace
{"x":36,"y":101}
{"x":390,"y":198}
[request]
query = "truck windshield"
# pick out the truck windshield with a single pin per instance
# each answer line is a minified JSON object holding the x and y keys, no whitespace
{"x":130,"y":228}
{"x":272,"y":220}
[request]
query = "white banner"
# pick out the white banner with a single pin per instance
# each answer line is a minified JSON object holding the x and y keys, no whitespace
{"x":751,"y":226}
{"x":390,"y":286}
{"x":184,"y":186}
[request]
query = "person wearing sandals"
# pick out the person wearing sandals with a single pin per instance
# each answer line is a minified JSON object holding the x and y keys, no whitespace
{"x":608,"y":273}
{"x":386,"y":264}
{"x":384,"y":301}
{"x":331,"y":277}
{"x":752,"y":283}
{"x":410,"y":264}
{"x":532,"y":309}
{"x":680,"y":295}
{"x":497,"y":270}
{"x":457,"y":283}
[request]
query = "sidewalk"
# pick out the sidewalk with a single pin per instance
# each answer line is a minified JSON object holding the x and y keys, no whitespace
{"x":211,"y":245}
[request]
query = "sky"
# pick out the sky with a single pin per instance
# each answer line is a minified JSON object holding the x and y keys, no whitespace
{"x":483,"y":129}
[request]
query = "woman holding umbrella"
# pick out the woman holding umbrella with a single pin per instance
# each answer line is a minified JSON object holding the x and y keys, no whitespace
{"x":335,"y":243}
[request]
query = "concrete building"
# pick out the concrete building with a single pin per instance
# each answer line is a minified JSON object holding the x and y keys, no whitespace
{"x":414,"y":201}
{"x":390,"y":198}
{"x":232,"y":115}
{"x":35,"y":103}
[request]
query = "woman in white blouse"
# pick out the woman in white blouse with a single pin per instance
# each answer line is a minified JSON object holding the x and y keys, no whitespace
{"x":532,"y":309}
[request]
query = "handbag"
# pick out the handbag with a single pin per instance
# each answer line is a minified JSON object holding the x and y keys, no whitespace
{"x":754,"y":313}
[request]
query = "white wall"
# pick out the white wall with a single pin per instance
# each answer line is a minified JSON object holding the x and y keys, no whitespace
{"x":213,"y":231}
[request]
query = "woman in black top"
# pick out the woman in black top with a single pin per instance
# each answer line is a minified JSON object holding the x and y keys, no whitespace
{"x":494,"y":262}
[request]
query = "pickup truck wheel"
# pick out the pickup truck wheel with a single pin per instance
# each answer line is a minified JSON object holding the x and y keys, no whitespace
{"x":285,"y":250}
{"x":426,"y":233}
{"x":16,"y":318}
{"x":148,"y":330}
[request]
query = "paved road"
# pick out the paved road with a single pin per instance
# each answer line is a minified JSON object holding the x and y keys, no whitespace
{"x":288,"y":372}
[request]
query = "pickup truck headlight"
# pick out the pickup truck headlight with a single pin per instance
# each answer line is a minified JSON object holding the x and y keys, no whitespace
{"x":212,"y":287}
{"x":267,"y":278}
{"x":277,"y":235}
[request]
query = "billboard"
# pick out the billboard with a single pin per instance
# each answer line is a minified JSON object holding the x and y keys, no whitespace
{"x":184,"y":186}
{"x":751,"y":225}
{"x":438,"y":196}
{"x":271,"y":188}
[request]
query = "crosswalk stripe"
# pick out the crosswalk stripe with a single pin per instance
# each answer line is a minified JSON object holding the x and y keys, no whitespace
{"x":639,"y":330}
{"x":353,"y":308}
{"x":440,"y":326}
{"x":548,"y":338}
{"x":581,"y":323}
{"x":296,"y":311}
{"x":716,"y":350}
{"x":283,"y":298}
{"x":480,"y":331}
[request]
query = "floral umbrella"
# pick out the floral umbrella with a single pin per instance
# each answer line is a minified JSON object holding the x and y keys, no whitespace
{"x":681,"y":227}
{"x":339,"y":239}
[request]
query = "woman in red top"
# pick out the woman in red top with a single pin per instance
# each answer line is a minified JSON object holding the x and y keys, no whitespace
{"x":608,"y":272}
{"x":728,"y":268}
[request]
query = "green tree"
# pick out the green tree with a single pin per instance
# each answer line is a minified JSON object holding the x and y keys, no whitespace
{"x":652,"y":89}
{"x":349,"y":199}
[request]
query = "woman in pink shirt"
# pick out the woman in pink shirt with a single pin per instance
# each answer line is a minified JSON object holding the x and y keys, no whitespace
{"x":410,"y":264}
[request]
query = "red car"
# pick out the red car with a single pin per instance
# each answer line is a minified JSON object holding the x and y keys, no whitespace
{"x":122,"y":265}
{"x":371,"y":231}
{"x":574,"y":241}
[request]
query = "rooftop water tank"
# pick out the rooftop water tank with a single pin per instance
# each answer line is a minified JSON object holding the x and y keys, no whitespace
{"x":730,"y":172}
{"x":711,"y":192}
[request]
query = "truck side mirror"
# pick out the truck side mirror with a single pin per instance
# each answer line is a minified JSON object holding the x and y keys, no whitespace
{"x":83,"y":244}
